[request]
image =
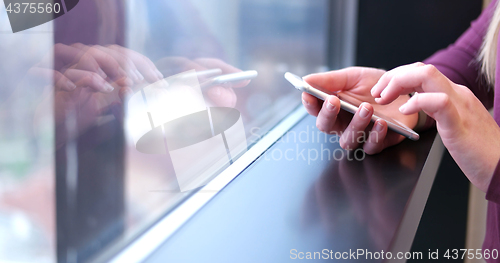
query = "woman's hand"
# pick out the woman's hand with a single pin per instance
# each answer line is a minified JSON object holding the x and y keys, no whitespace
{"x":355,"y":82}
{"x":468,"y":131}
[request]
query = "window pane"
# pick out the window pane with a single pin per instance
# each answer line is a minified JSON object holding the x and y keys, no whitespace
{"x":117,"y":111}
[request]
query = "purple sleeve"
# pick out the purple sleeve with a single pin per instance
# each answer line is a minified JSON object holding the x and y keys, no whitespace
{"x":493,"y":192}
{"x":458,"y":61}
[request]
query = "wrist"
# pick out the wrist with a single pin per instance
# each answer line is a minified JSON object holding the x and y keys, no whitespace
{"x":487,"y":174}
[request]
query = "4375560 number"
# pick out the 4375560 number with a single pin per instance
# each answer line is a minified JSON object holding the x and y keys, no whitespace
{"x":471,"y":254}
{"x":33,"y":8}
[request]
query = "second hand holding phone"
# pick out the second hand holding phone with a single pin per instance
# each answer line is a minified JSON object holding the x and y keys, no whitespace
{"x":394,"y":125}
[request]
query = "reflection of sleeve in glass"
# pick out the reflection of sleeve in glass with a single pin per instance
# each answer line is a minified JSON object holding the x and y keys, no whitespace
{"x":172,"y":115}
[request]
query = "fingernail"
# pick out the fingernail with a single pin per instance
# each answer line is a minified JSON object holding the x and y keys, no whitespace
{"x":305,"y":102}
{"x":158,"y":73}
{"x":377,"y":100}
{"x":330,"y":106}
{"x":379,"y":126}
{"x":402,"y":108}
{"x":70,"y":85}
{"x":131,"y":74}
{"x":383,"y":93}
{"x":372,"y":91}
{"x":108,"y":87}
{"x":139,"y":75}
{"x":342,"y":142}
{"x":101,"y":73}
{"x":363,"y":113}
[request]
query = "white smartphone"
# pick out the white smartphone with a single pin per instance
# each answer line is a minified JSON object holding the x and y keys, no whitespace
{"x":394,"y":125}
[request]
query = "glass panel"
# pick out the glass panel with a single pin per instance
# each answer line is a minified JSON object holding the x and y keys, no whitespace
{"x":116,"y":111}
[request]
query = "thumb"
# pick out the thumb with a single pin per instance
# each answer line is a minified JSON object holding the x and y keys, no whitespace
{"x":336,"y":80}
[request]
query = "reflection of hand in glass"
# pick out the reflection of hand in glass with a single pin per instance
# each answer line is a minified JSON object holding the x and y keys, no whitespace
{"x":90,"y":81}
{"x":96,"y":67}
{"x":362,"y":195}
{"x":220,"y":95}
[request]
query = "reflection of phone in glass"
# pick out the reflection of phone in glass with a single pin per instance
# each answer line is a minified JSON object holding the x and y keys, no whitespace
{"x":394,"y":125}
{"x":233,"y":77}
